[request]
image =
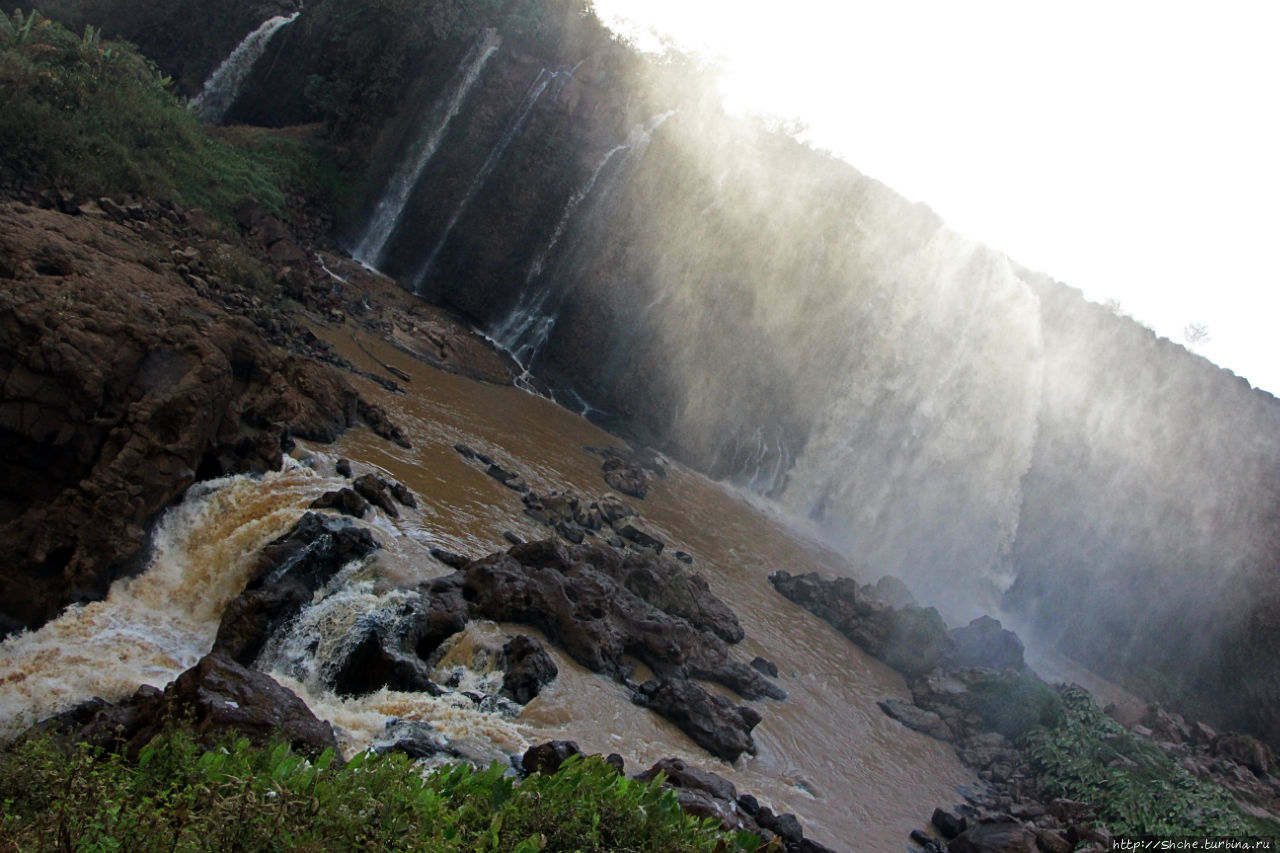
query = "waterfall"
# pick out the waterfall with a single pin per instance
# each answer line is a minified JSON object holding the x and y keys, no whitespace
{"x":527,"y":327}
{"x":431,"y":130}
{"x":540,"y":84}
{"x":223,"y":86}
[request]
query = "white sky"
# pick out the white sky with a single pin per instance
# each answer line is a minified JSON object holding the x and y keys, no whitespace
{"x":1130,"y":149}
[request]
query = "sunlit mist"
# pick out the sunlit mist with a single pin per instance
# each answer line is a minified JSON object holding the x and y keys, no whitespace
{"x":1127,"y":150}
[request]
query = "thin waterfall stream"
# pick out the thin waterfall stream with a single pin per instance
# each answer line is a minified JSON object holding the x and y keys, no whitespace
{"x":222,"y":88}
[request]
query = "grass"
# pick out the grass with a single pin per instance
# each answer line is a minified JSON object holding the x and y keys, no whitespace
{"x":1134,"y":787}
{"x":96,"y":118}
{"x":179,"y":797}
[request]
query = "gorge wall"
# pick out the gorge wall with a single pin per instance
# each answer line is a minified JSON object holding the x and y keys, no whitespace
{"x":771,"y":316}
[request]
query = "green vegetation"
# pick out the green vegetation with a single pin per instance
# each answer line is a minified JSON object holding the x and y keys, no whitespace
{"x":178,"y":797}
{"x":1132,"y":784}
{"x":1015,"y":704}
{"x":96,"y":118}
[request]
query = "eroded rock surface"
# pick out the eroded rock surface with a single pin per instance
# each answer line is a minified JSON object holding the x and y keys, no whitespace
{"x":120,"y":386}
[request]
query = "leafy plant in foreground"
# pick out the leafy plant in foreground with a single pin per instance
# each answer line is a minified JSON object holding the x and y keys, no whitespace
{"x":1133,"y":785}
{"x":177,"y":797}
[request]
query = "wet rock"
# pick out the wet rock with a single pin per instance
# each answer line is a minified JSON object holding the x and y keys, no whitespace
{"x":112,"y":410}
{"x":671,"y":589}
{"x":681,"y":775}
{"x":613,"y":509}
{"x":343,"y":468}
{"x":615,"y":761}
{"x":402,"y":494}
{"x":418,"y":740}
{"x":510,"y":479}
{"x":917,"y":718}
{"x":345,"y":500}
{"x":786,"y":826}
{"x":995,"y":837}
{"x":512,"y":537}
{"x":286,"y":575}
{"x":440,"y":613}
{"x":470,"y":453}
{"x":892,"y":591}
{"x":376,"y":418}
{"x":912,"y":640}
{"x":450,"y":558}
{"x":1052,"y":841}
{"x":376,"y":662}
{"x":633,"y":532}
{"x":926,"y":842}
{"x":374,"y":489}
{"x":948,"y":824}
{"x":684,"y":557}
{"x":704,"y":806}
{"x":765,"y":667}
{"x":571,"y":594}
{"x":1245,"y":750}
{"x":215,"y":698}
{"x":547,"y":757}
{"x":986,"y":643}
{"x":713,"y":722}
{"x":628,"y":478}
{"x":528,"y":668}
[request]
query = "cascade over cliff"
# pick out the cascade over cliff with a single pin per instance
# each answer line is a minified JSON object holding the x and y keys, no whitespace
{"x":770,"y":315}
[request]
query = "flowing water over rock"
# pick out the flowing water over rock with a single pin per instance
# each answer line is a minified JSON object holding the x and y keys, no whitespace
{"x":436,"y":118}
{"x":857,"y":779}
{"x":223,"y":86}
{"x":540,"y":83}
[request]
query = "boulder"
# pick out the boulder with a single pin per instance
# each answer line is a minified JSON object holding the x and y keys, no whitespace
{"x":948,"y":824}
{"x":375,"y":490}
{"x":286,"y":575}
{"x":764,"y":667}
{"x":527,"y":667}
{"x":634,"y":532}
{"x":547,"y":757}
{"x":510,"y":479}
{"x":403,"y":495}
{"x":1245,"y":750}
{"x":917,"y":718}
{"x":375,"y":662}
{"x":570,"y":594}
{"x":995,"y":837}
{"x":912,"y":640}
{"x":984,"y":642}
{"x":216,"y":698}
{"x":449,"y":558}
{"x":345,"y":500}
{"x":712,"y":722}
{"x":680,"y":775}
{"x":626,"y":477}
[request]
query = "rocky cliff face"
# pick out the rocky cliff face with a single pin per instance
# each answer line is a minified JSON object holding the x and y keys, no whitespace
{"x":122,"y":387}
{"x":773,"y":317}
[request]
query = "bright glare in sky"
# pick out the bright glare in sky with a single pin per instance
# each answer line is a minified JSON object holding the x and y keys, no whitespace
{"x":1129,"y":149}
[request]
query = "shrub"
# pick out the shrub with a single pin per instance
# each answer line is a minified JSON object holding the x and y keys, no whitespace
{"x":1132,"y":784}
{"x":177,"y":797}
{"x":1015,"y":704}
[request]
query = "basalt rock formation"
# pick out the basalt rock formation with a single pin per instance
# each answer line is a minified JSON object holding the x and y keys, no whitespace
{"x":218,"y":698}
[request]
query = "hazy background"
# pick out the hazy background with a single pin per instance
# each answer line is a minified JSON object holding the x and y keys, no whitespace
{"x":1126,"y":149}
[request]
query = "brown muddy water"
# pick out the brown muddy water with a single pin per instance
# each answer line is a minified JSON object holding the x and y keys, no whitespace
{"x":857,"y":779}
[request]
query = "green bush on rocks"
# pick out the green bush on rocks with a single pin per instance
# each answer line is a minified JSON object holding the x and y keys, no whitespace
{"x":177,"y":797}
